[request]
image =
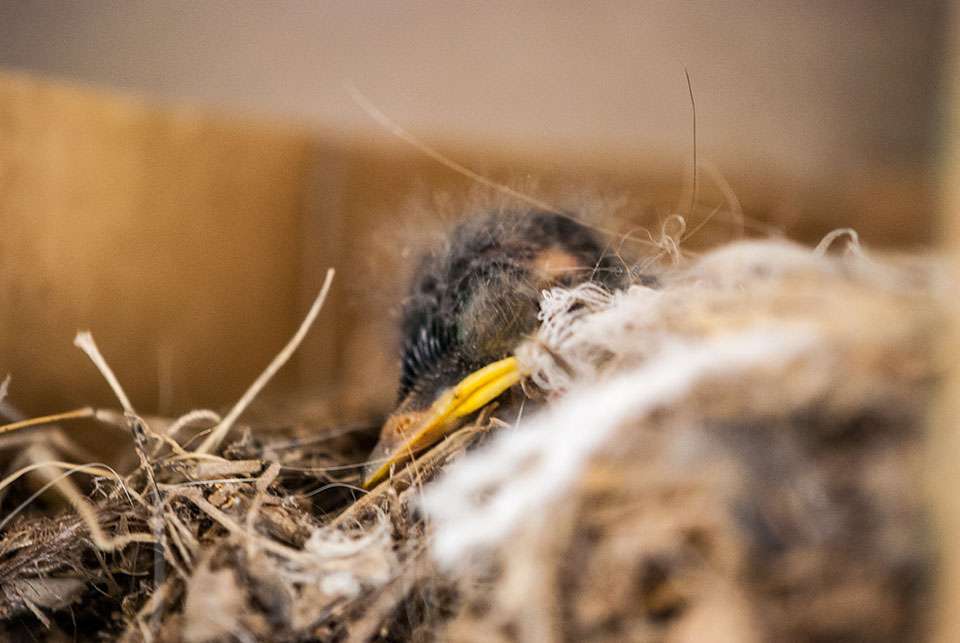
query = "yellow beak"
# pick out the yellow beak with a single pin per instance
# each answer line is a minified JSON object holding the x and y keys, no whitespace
{"x":405,"y":434}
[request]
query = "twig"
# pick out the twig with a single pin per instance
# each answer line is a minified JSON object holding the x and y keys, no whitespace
{"x":95,"y":469}
{"x":189,"y":418}
{"x":87,"y":412}
{"x":410,"y":474}
{"x":138,"y":429}
{"x":220,"y":431}
{"x":263,"y":483}
{"x":693,"y":109}
{"x":376,"y":114}
{"x":157,"y":523}
{"x":84,"y":341}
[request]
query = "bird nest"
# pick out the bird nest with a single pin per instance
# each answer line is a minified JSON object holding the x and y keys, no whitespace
{"x":734,"y":455}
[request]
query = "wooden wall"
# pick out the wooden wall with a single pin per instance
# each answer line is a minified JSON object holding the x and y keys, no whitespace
{"x":171,"y":235}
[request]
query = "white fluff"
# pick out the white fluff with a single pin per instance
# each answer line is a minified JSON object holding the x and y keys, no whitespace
{"x":747,"y":309}
{"x":485,"y":496}
{"x":345,"y":564}
{"x":564,"y":313}
{"x":733,"y":265}
{"x":584,"y":325}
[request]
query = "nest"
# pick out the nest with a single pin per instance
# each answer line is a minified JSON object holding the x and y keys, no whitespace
{"x":735,"y":455}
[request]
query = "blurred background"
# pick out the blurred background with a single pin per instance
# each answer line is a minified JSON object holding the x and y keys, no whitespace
{"x":176,"y":177}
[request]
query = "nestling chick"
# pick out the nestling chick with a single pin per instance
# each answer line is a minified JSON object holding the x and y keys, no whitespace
{"x":471,"y":305}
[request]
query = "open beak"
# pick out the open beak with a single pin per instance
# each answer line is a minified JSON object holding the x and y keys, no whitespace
{"x":406,"y":434}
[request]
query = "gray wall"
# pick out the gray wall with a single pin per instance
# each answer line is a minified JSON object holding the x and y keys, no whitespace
{"x":805,"y":89}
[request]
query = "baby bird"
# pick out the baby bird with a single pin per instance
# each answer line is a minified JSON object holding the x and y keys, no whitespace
{"x":472,"y":303}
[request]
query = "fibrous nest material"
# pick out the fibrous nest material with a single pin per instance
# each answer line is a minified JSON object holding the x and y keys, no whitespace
{"x":735,"y":455}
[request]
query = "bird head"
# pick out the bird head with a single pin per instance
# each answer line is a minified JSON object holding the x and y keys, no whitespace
{"x":472,"y":303}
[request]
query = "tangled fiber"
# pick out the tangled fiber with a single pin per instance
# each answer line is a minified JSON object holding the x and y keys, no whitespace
{"x":734,"y":456}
